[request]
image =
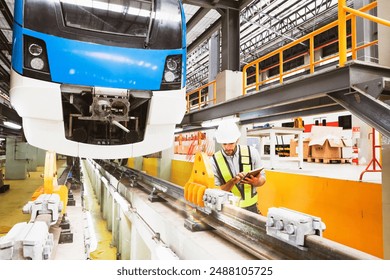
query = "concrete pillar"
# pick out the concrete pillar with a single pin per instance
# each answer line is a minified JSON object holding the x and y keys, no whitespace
{"x":16,"y":159}
{"x":41,"y":156}
{"x":229,"y":85}
{"x":384,"y":59}
{"x":166,"y":164}
{"x":138,"y":162}
{"x":32,"y":155}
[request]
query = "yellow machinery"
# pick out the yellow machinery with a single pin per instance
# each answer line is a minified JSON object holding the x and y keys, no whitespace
{"x":50,"y":183}
{"x":202,"y":178}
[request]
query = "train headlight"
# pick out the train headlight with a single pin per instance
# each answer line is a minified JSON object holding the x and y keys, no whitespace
{"x":171,"y":64}
{"x":35,"y":59}
{"x":169,"y":76}
{"x":172,"y":76}
{"x":37,"y":63}
{"x":35,"y":49}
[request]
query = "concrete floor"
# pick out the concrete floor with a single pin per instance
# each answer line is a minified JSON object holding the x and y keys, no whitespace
{"x":20,"y":192}
{"x":12,"y":201}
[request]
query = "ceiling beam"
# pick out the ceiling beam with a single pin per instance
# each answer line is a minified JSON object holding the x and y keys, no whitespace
{"x":205,"y":35}
{"x":4,"y":43}
{"x":196,"y":18}
{"x":6,"y":13}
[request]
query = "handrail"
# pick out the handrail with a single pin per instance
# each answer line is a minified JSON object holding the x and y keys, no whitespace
{"x":343,"y":17}
{"x":206,"y":101}
{"x":341,"y":56}
{"x":343,"y":9}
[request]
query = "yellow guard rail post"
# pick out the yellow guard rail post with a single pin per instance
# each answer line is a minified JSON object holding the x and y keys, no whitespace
{"x":342,"y":14}
{"x":341,"y":23}
{"x":50,"y":183}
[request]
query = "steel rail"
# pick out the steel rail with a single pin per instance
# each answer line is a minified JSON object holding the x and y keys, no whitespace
{"x":243,"y":228}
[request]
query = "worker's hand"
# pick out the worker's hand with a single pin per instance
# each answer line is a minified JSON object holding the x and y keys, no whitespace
{"x":230,"y":184}
{"x":255,"y":181}
{"x":239,"y":177}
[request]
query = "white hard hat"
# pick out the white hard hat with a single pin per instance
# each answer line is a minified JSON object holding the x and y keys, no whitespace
{"x":227,"y":132}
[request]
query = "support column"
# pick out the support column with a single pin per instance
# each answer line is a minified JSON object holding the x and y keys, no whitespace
{"x":166,"y":164}
{"x":214,"y":54}
{"x":384,"y":59}
{"x":16,"y":160}
{"x":41,"y":155}
{"x":230,"y":40}
{"x":32,"y":155}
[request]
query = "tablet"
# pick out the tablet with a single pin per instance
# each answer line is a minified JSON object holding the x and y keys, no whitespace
{"x":253,"y":172}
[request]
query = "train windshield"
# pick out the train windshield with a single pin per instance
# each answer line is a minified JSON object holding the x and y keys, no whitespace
{"x":152,"y":24}
{"x":109,"y":16}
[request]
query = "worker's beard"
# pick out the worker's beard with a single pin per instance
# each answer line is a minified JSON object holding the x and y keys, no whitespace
{"x":230,"y":152}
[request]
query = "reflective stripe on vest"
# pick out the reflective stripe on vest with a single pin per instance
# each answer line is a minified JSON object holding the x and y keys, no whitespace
{"x":245,"y":166}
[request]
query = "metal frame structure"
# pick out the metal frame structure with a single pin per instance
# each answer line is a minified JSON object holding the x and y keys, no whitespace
{"x":302,"y":96}
{"x":264,"y":25}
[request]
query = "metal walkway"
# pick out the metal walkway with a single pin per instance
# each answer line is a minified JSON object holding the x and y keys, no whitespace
{"x":359,"y":87}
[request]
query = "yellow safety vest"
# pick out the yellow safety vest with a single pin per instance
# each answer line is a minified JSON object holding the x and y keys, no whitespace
{"x":245,"y":164}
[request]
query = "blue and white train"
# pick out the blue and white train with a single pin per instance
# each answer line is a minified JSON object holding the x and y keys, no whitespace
{"x":100,"y":79}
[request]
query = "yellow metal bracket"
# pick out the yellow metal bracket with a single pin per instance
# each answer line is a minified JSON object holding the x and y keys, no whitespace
{"x":202,"y":177}
{"x":50,"y":183}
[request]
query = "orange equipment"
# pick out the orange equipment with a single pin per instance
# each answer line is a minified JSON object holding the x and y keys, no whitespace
{"x":50,"y":183}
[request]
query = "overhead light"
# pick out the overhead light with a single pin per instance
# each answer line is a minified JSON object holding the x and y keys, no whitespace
{"x":12,"y":125}
{"x":2,"y":139}
{"x":216,"y":122}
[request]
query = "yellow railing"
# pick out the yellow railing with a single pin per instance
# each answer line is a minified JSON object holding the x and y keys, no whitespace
{"x":341,"y":56}
{"x":197,"y":99}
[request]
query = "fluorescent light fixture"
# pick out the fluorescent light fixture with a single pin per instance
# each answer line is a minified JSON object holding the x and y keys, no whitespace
{"x":2,"y":139}
{"x":12,"y":125}
{"x":178,"y":129}
{"x":216,"y":122}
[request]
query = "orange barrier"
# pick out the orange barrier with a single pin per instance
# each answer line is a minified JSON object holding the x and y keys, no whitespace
{"x":351,"y":210}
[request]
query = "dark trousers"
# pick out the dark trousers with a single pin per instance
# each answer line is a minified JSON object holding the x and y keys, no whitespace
{"x":253,"y":208}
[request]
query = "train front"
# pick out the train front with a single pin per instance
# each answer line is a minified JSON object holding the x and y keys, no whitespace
{"x":99,"y":79}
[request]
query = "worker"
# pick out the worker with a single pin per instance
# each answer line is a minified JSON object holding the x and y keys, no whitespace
{"x":233,"y":162}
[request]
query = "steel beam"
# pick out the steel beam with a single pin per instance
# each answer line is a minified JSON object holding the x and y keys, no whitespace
{"x":371,"y":111}
{"x":303,"y":113}
{"x":196,"y":18}
{"x":283,"y":100}
{"x":290,"y":92}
